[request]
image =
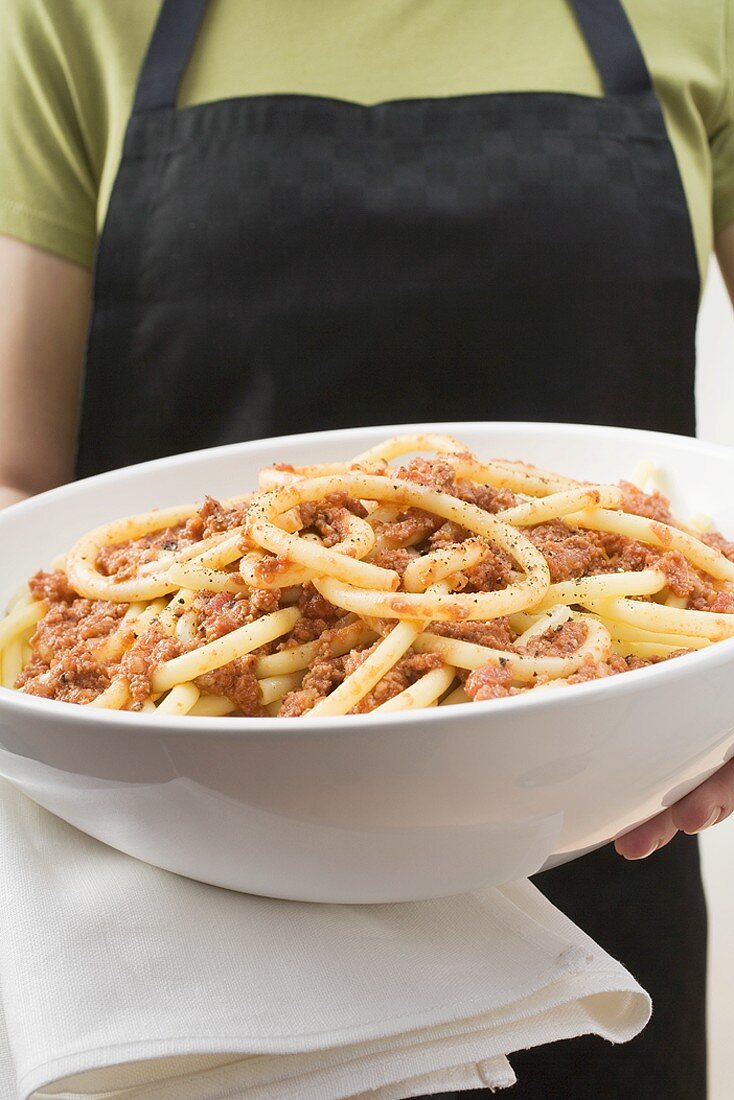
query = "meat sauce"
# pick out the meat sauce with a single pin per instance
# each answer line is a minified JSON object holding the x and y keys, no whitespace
{"x":63,"y":664}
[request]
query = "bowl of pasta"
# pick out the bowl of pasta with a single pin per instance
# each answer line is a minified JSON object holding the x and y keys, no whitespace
{"x":376,"y":664}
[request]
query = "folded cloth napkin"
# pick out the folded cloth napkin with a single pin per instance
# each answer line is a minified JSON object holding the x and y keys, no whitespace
{"x":121,"y":981}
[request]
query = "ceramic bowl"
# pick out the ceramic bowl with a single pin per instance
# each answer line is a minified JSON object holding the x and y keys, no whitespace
{"x":374,"y":808}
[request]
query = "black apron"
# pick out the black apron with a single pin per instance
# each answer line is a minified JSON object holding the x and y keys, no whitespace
{"x":283,"y":263}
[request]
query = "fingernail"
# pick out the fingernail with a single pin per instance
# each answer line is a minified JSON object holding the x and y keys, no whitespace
{"x":717,"y":812}
{"x":648,"y":851}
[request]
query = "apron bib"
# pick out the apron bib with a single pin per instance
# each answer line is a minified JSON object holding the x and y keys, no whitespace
{"x":284,"y":263}
{"x":288,"y":263}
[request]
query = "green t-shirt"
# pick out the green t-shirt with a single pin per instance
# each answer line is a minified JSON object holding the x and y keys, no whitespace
{"x":68,"y":70}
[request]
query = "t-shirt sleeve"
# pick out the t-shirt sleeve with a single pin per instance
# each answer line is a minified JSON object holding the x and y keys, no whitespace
{"x":48,"y":193}
{"x":722,"y":141}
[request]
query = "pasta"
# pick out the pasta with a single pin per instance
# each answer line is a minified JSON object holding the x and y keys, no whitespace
{"x":386,"y":583}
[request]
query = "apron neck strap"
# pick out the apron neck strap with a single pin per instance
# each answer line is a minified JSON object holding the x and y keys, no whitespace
{"x":168,"y":54}
{"x":613,"y":45}
{"x":604,"y":24}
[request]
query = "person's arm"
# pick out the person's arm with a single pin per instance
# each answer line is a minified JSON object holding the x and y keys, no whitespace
{"x":44,"y":310}
{"x":713,"y":801}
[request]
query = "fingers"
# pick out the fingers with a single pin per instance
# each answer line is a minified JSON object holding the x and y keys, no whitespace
{"x":647,"y":838}
{"x":708,"y":804}
{"x":711,"y":802}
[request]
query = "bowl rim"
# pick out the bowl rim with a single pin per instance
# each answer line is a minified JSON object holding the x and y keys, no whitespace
{"x":633,"y":681}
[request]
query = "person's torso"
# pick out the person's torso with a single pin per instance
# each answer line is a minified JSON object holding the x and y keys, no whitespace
{"x":286,"y":262}
{"x":386,"y":50}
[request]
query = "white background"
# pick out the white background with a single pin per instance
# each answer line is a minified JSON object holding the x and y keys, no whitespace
{"x":716,"y":422}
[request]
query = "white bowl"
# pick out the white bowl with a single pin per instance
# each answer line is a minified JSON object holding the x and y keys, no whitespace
{"x":374,"y":808}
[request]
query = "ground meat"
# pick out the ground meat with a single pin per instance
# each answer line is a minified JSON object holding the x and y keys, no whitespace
{"x":328,"y":517}
{"x":398,"y":558}
{"x":632,"y":662}
{"x":569,"y":551}
{"x":213,"y":517}
{"x":615,"y":664}
{"x":237,"y":682}
{"x":447,"y":535}
{"x":717,"y":540}
{"x":651,"y":505}
{"x":325,"y":675}
{"x":317,"y":615}
{"x":306,"y":630}
{"x":218,"y":613}
{"x":489,"y":682}
{"x":332,"y":526}
{"x":296,"y":703}
{"x":683,"y":580}
{"x":268,"y":569}
{"x":606,"y":552}
{"x":140,"y":661}
{"x":52,"y":587}
{"x":68,"y":627}
{"x":696,"y":587}
{"x":313,"y":605}
{"x":496,"y":634}
{"x":485,"y":496}
{"x":434,"y":473}
{"x":622,"y":553}
{"x":439,"y":474}
{"x":63,"y":665}
{"x":123,"y":560}
{"x":412,"y":526}
{"x":722,"y":603}
{"x":74,"y":677}
{"x":557,"y":643}
{"x":490,"y":574}
{"x":590,"y":670}
{"x":320,"y":680}
{"x":407,"y":670}
{"x":339,"y":500}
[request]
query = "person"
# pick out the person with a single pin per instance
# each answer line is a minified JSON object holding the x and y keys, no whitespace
{"x":233,"y":220}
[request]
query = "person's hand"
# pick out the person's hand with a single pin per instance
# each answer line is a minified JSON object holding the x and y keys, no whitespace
{"x":705,"y":806}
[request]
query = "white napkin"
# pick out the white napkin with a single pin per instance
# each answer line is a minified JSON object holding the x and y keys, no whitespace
{"x":121,"y":981}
